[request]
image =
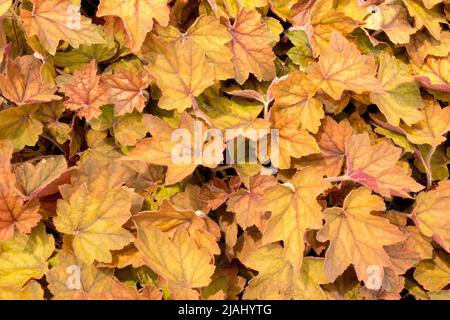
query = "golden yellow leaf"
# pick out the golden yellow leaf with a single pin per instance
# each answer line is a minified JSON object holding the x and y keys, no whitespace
{"x":86,"y":92}
{"x":169,"y":219}
{"x":431,"y":3}
{"x":71,"y":278}
{"x":342,"y":67}
{"x":401,"y":99}
{"x":421,"y":243}
{"x":41,"y":179}
{"x":24,"y":257}
{"x":434,"y":274}
{"x":294,"y":96}
{"x":294,"y":209}
{"x":160,"y":149}
{"x":181,"y":70}
{"x":235,"y":113}
{"x":324,"y":19}
{"x":356,"y":236}
{"x":55,"y":20}
{"x":18,"y":125}
{"x":392,"y":17}
{"x":422,"y":45}
{"x":292,"y":141}
{"x":137,"y":16}
{"x":4,"y":6}
{"x":210,"y":37}
{"x":276,"y":278}
{"x":431,"y":214}
{"x":14,"y":212}
{"x":251,"y":47}
{"x":95,"y":220}
{"x":31,"y":291}
{"x":432,"y":129}
{"x":376,"y":167}
{"x":430,"y":18}
{"x":434,"y":74}
{"x":22,"y":82}
{"x":226,"y":280}
{"x":99,"y":175}
{"x":186,"y":267}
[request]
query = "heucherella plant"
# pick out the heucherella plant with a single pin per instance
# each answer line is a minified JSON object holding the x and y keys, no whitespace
{"x":181,"y":149}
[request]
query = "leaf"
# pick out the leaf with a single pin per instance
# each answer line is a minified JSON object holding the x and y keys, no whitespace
{"x":397,"y":137}
{"x":31,"y":291}
{"x":94,"y":283}
{"x":276,"y":278}
{"x":86,"y":92}
{"x":49,"y":115}
{"x":342,"y":67}
{"x":4,"y":6}
{"x":251,"y":47}
{"x":195,"y":150}
{"x":54,"y":20}
{"x":323,"y":21}
{"x":25,"y":257}
{"x":245,"y":203}
{"x":15,"y":214}
{"x":17,"y":125}
{"x":226,"y":280}
{"x":182,"y":72}
{"x":169,"y":219}
{"x":158,"y":149}
{"x":137,"y":17}
{"x":291,"y":141}
{"x":209,"y":37}
{"x":434,"y":74}
{"x":234,"y":113}
{"x":187,"y":267}
{"x":77,"y":58}
{"x":331,"y":140}
{"x":22,"y":82}
{"x":375,"y":167}
{"x":125,"y":90}
{"x":95,"y":221}
{"x":301,"y":53}
{"x":401,"y":99}
{"x":420,"y":242}
{"x":433,"y":274}
{"x":430,"y":130}
{"x":294,"y":94}
{"x":392,"y":17}
{"x":130,"y":128}
{"x":430,"y":214}
{"x":356,"y":236}
{"x":294,"y":209}
{"x":428,"y":17}
{"x":423,"y":45}
{"x":37,"y":180}
{"x":438,"y":163}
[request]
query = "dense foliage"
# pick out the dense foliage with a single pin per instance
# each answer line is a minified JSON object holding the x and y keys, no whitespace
{"x":351,"y":199}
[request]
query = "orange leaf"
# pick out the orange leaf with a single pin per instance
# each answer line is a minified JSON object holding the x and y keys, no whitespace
{"x":14,"y":214}
{"x":86,"y":93}
{"x":252,"y":52}
{"x":22,"y":82}
{"x":375,"y":167}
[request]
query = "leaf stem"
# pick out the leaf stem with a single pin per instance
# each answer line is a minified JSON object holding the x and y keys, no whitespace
{"x":428,"y":166}
{"x":337,"y":179}
{"x":56,"y":144}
